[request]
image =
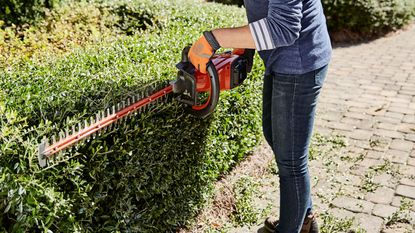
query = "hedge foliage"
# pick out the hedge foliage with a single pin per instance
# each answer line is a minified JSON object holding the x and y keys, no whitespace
{"x":24,"y":11}
{"x":150,"y":174}
{"x":73,"y":24}
{"x":367,"y":17}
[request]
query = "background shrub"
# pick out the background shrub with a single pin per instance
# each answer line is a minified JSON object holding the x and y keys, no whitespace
{"x":74,"y":24}
{"x":24,"y":11}
{"x":364,"y":17}
{"x":154,"y":171}
{"x":369,"y":17}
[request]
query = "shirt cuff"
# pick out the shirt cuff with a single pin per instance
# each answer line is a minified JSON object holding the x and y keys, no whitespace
{"x":262,"y":35}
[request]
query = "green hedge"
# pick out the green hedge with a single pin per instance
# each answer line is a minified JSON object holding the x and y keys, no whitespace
{"x":24,"y":11}
{"x":368,"y":16}
{"x":156,"y":170}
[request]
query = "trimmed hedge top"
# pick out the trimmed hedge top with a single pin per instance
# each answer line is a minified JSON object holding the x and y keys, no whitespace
{"x":150,"y":174}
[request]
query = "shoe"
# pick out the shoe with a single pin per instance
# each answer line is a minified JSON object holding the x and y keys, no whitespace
{"x":309,"y":226}
{"x":271,"y":224}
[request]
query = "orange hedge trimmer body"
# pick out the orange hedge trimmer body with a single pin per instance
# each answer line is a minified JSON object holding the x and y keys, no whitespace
{"x":225,"y":71}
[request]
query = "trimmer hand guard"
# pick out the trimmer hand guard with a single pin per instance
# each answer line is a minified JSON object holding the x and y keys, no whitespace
{"x":225,"y":71}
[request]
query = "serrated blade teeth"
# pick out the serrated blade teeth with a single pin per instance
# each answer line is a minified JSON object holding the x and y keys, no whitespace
{"x":45,"y":141}
{"x":113,"y":110}
{"x":79,"y":126}
{"x":73,"y":129}
{"x":92,"y":123}
{"x":129,"y":104}
{"x":123,"y":104}
{"x":61,"y":136}
{"x":118,"y":108}
{"x":53,"y":139}
{"x":97,"y":119}
{"x":41,"y":150}
{"x":85,"y":124}
{"x":104,"y":130}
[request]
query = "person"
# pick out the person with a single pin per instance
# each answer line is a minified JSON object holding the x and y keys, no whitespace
{"x":292,"y":39}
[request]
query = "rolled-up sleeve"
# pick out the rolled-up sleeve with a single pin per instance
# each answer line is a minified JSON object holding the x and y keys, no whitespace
{"x":281,"y":27}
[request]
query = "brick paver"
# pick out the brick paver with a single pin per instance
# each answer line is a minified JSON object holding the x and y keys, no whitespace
{"x":382,"y":195}
{"x":406,"y":191}
{"x":353,"y":204}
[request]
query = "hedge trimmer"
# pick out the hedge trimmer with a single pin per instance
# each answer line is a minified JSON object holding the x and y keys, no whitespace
{"x":197,"y":90}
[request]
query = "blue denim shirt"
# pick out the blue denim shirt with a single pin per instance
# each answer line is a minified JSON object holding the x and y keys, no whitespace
{"x":290,"y":35}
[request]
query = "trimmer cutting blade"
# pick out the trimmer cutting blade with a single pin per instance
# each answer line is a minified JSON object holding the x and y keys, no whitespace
{"x":225,"y":71}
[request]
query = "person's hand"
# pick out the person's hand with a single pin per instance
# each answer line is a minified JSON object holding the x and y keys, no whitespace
{"x":202,"y":51}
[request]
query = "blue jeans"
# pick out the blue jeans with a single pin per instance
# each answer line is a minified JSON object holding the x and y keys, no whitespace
{"x":289,"y":104}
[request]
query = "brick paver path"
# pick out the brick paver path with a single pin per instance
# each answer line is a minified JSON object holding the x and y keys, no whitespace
{"x":368,"y":99}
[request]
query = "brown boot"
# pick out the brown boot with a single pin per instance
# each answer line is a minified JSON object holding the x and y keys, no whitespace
{"x":309,"y":226}
{"x":270,"y":224}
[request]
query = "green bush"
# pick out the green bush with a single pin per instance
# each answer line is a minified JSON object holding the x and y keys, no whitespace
{"x":73,"y":24}
{"x":151,"y":174}
{"x":24,"y":11}
{"x":368,"y":16}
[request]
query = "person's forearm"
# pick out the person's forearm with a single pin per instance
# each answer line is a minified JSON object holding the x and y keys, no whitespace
{"x":239,"y":37}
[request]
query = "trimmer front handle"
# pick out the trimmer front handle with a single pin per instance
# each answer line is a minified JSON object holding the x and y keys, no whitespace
{"x":224,"y":72}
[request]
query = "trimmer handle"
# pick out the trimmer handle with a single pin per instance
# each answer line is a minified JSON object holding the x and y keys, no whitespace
{"x":208,"y":107}
{"x":224,"y":72}
{"x":188,"y":85}
{"x":185,"y":54}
